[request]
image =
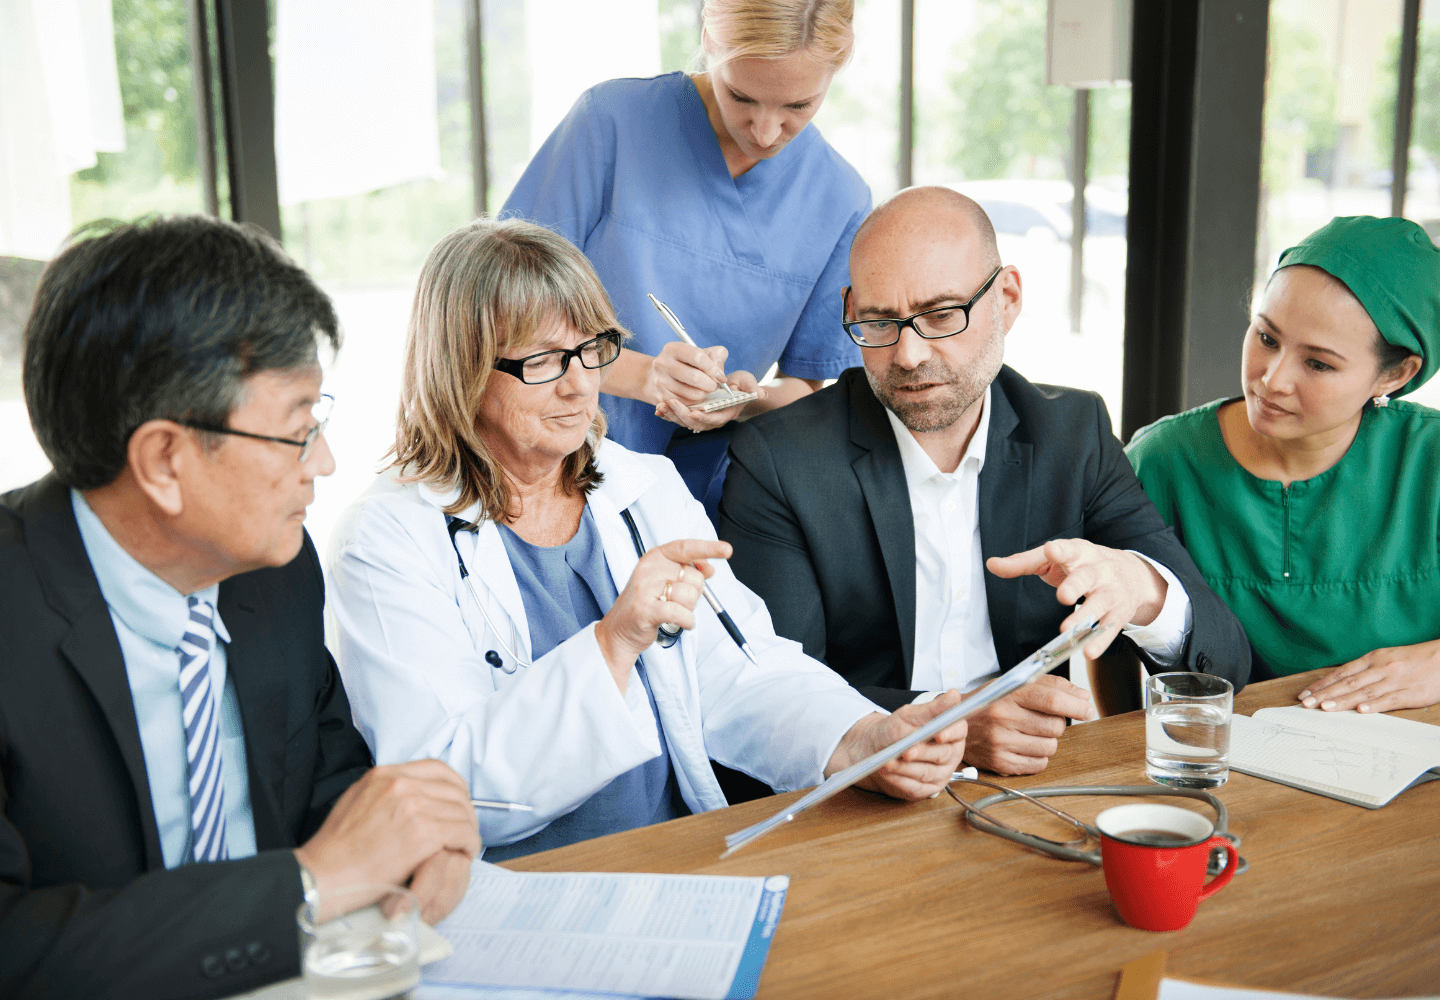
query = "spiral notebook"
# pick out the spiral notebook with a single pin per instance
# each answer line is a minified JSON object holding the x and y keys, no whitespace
{"x":1365,"y":760}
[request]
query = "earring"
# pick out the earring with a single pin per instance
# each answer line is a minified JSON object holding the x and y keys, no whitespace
{"x":1381,"y":401}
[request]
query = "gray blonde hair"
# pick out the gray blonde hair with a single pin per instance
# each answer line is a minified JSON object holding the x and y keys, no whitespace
{"x":486,"y":287}
{"x":770,"y":29}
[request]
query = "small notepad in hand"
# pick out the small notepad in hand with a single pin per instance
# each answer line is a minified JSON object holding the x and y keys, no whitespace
{"x":1365,"y":760}
{"x":723,"y":398}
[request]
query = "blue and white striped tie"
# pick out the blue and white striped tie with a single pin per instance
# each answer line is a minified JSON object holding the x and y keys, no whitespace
{"x":199,"y":709}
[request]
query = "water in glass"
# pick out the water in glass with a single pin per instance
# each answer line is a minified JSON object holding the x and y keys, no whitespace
{"x":1187,"y":744}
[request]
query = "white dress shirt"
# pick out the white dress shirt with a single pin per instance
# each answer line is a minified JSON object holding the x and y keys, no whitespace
{"x":954,"y":646}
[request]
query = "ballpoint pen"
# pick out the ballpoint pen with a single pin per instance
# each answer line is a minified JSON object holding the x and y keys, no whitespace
{"x":722,"y":398}
{"x":728,"y":622}
{"x":492,"y":804}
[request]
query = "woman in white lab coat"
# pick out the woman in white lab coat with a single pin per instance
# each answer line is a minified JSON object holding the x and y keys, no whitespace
{"x":493,"y":607}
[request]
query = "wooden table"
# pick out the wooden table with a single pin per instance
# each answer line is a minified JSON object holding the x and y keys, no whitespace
{"x":891,"y":899}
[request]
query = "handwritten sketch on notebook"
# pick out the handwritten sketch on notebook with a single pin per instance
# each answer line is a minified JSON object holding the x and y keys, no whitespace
{"x":688,"y":936}
{"x":1365,"y":760}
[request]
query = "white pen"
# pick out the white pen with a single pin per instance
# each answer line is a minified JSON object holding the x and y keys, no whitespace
{"x":673,"y":320}
{"x":492,"y":804}
{"x":722,"y":398}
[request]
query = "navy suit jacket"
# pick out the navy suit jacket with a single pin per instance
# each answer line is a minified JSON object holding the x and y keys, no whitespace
{"x":818,"y":511}
{"x":87,"y":907}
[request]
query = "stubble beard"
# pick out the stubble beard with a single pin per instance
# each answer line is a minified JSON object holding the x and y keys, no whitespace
{"x":963,"y":387}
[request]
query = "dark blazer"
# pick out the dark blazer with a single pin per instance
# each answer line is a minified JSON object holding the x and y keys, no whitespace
{"x":817,"y":509}
{"x":86,"y":905}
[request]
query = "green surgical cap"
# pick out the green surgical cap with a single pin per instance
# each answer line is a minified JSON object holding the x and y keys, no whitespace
{"x":1393,"y":269}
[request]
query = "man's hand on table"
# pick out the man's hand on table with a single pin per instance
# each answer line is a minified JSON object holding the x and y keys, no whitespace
{"x":1380,"y":681}
{"x":920,"y":772}
{"x":1020,"y":732}
{"x":440,"y":883}
{"x":403,"y":823}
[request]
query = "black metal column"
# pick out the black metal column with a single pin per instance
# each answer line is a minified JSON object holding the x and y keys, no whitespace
{"x":1404,"y":106}
{"x":479,"y":154}
{"x":204,"y":99}
{"x":247,"y":90}
{"x":1198,"y":72}
{"x":1162,"y":94}
{"x":1079,"y":177}
{"x":906,"y":171}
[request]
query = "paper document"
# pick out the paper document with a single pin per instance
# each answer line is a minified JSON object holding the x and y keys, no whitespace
{"x":1179,"y":989}
{"x":685,"y":936}
{"x":1365,"y":760}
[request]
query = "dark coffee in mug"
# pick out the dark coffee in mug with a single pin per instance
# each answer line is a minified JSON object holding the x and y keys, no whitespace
{"x":1157,"y":838}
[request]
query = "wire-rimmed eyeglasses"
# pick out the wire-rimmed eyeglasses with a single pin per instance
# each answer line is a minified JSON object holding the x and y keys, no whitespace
{"x":321,"y":412}
{"x":932,"y":324}
{"x":547,"y":366}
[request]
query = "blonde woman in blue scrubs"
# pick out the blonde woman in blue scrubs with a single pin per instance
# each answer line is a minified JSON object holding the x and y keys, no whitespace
{"x":710,"y":191}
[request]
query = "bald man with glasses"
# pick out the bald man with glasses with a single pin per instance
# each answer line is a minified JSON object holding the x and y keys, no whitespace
{"x":933,"y":518}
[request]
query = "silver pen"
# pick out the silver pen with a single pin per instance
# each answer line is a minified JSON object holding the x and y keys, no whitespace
{"x":722,"y":398}
{"x":673,"y":320}
{"x":493,"y":804}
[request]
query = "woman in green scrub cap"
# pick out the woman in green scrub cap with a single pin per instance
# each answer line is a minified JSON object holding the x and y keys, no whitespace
{"x":1312,"y":503}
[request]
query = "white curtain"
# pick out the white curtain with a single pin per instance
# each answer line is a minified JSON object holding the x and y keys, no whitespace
{"x":355,"y":101}
{"x":59,"y":106}
{"x":573,"y":46}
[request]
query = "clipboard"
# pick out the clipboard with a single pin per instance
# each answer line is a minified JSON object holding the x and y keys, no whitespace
{"x":1042,"y":661}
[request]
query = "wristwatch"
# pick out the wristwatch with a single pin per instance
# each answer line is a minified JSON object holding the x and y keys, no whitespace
{"x":308,"y":885}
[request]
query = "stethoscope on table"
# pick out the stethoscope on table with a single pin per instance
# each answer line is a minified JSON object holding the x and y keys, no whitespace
{"x":1071,"y":850}
{"x":668,"y":634}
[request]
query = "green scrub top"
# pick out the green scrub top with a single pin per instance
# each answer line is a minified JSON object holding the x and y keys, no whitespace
{"x":1322,"y":571}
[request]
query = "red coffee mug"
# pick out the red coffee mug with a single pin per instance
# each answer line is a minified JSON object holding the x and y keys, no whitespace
{"x":1154,"y":858}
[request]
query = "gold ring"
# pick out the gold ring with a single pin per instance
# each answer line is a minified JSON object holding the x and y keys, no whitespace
{"x":666,"y":596}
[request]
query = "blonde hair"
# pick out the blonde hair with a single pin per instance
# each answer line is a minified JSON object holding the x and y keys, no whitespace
{"x":770,"y":29}
{"x":486,"y":287}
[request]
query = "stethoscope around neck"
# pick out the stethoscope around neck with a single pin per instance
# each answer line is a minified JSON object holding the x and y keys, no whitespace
{"x":668,"y":634}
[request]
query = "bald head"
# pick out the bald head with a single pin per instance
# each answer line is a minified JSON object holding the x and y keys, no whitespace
{"x":924,"y":216}
{"x":929,"y":254}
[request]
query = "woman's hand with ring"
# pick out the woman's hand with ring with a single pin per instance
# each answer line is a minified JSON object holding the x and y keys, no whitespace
{"x":675,"y":573}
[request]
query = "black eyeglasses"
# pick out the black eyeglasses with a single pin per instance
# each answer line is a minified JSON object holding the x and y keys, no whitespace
{"x":932,"y":324}
{"x":320,"y":412}
{"x":547,"y":366}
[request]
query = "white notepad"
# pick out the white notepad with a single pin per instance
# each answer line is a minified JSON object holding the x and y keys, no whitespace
{"x":1365,"y":760}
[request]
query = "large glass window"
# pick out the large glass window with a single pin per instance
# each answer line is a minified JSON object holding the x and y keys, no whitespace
{"x":1327,"y":142}
{"x":541,"y":55}
{"x":372,"y":146}
{"x":988,"y":126}
{"x":1330,"y":102}
{"x":1422,"y":193}
{"x":861,"y":114}
{"x":97,"y":120}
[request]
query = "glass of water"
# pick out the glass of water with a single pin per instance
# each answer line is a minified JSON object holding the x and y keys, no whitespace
{"x":1187,"y":729}
{"x":360,"y":943}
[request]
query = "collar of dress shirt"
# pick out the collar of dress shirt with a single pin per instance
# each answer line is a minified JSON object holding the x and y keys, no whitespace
{"x":920,"y":467}
{"x":145,"y":603}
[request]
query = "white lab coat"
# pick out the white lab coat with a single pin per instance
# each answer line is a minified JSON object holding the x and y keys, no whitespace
{"x":413,"y":645}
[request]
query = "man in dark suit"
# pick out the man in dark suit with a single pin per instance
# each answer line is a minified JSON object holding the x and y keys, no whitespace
{"x":178,"y":766}
{"x":868,"y":514}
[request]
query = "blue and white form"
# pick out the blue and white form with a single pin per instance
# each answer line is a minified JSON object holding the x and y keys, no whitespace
{"x":582,"y":935}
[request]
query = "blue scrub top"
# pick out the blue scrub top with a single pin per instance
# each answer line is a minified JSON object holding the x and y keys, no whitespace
{"x":635,"y":178}
{"x":566,"y":587}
